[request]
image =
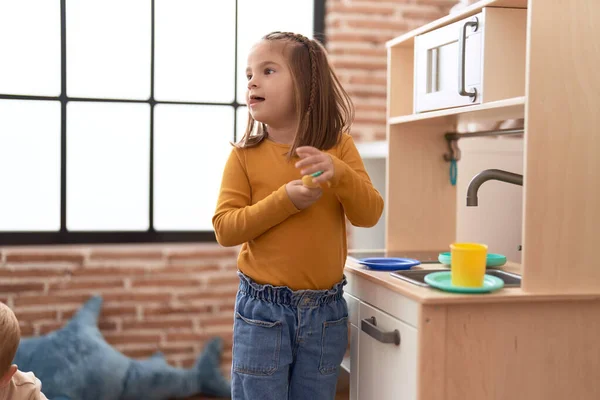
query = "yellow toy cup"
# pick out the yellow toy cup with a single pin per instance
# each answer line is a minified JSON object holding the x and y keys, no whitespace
{"x":468,"y":262}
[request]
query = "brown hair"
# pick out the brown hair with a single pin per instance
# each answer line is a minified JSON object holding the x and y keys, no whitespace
{"x":323,"y":107}
{"x":10,"y":335}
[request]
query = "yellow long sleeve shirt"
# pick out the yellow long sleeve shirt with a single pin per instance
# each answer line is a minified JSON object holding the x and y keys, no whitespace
{"x":281,"y":245}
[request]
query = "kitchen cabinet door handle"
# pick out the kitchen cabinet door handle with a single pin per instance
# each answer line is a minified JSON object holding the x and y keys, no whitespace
{"x":369,"y":326}
{"x":462,"y":56}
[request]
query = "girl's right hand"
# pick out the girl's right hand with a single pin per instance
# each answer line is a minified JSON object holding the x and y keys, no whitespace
{"x":302,"y":196}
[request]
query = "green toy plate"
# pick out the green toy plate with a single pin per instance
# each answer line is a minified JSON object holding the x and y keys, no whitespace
{"x":442,"y":280}
{"x":492,"y":260}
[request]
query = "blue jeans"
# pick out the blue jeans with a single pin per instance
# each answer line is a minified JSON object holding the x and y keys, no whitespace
{"x":287,"y":344}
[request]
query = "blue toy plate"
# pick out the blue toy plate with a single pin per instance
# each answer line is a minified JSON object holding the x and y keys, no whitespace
{"x":388,"y":263}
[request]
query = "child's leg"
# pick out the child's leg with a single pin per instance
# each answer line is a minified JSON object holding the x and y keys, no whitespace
{"x":322,"y":343}
{"x":262,"y":348}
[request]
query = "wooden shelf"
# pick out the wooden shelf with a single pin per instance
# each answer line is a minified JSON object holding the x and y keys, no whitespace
{"x":408,"y":38}
{"x":503,"y":109}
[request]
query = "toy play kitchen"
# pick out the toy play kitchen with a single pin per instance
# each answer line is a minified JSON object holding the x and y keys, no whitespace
{"x":536,"y":337}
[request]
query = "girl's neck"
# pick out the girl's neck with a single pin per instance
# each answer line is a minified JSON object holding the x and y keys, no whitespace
{"x":282,"y":134}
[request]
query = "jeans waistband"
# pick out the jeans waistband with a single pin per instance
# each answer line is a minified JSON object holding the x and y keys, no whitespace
{"x":286,"y":296}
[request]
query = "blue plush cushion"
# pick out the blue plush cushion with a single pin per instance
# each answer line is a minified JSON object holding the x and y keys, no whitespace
{"x":76,"y":363}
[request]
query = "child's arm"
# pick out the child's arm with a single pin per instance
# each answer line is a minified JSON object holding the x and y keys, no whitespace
{"x":362,"y":203}
{"x":236,"y":220}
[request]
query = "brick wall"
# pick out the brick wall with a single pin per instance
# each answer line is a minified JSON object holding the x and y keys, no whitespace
{"x":170,"y":298}
{"x":356,"y":34}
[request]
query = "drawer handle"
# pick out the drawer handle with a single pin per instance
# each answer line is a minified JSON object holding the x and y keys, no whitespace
{"x":369,"y":326}
{"x":461,"y":58}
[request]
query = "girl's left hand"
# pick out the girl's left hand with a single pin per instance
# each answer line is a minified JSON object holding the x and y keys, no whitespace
{"x":314,"y":160}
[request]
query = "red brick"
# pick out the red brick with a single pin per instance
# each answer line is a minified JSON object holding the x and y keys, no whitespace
{"x":174,"y":348}
{"x":9,"y":287}
{"x":369,"y":120}
{"x":161,"y":324}
{"x":165,"y":282}
{"x":365,"y":93}
{"x":209,"y":294}
{"x":126,"y":254}
{"x":378,"y":51}
{"x":139,"y":353}
{"x":137,"y":297}
{"x":27,"y":331}
{"x":226,"y":279}
{"x":201,"y":254}
{"x":185,"y":269}
{"x":106,"y":326}
{"x":359,"y":65}
{"x":111,"y":271}
{"x":394,"y":25}
{"x":185,"y":362}
{"x":119,"y":311}
{"x":366,"y":9}
{"x":200,"y":338}
{"x":49,"y":256}
{"x":107,"y":311}
{"x":394,"y":1}
{"x":421,"y":15}
{"x":79,"y":299}
{"x":35,"y":315}
{"x":177,"y":310}
{"x":96,"y":284}
{"x":226,"y":357}
{"x":443,"y":4}
{"x":129,"y":338}
{"x":178,"y":337}
{"x":37,"y":272}
{"x":362,"y":37}
{"x":48,"y":327}
{"x":227,"y":337}
{"x":226,"y":308}
{"x":229,"y":267}
{"x":218,"y":321}
{"x":333,"y":23}
{"x":380,"y":136}
{"x":378,"y":106}
{"x":369,"y":80}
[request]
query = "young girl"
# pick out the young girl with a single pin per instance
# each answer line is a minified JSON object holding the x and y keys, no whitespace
{"x":290,"y":330}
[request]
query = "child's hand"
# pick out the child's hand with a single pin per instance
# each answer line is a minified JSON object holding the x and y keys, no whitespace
{"x":302,"y":196}
{"x":313,"y":160}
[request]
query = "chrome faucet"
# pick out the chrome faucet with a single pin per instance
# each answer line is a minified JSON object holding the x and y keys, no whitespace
{"x":490,"y":174}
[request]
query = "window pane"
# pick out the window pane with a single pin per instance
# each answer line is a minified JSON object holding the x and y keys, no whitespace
{"x":258,"y":17}
{"x":30,"y":47}
{"x":108,"y":48}
{"x":30,"y":165}
{"x":242,"y":122}
{"x":194,"y":50}
{"x":191,"y":147}
{"x":108,"y":162}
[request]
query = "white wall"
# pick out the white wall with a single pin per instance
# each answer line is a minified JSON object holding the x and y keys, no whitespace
{"x":372,"y":238}
{"x":497,"y":221}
